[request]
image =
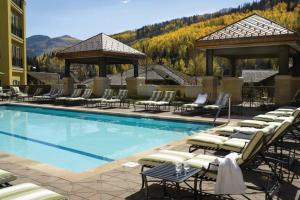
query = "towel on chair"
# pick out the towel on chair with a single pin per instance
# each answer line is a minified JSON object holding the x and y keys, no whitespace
{"x":230,"y":177}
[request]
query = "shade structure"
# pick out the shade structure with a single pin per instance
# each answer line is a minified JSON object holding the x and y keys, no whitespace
{"x":101,"y":50}
{"x":252,"y":37}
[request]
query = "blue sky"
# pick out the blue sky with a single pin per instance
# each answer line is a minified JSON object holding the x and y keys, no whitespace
{"x":85,"y":18}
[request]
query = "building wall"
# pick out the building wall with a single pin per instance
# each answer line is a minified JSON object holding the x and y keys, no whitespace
{"x":15,"y":72}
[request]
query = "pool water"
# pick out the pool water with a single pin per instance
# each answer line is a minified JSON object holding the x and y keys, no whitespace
{"x":78,"y":141}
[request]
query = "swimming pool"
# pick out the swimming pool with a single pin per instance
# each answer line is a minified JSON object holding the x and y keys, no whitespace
{"x":78,"y":141}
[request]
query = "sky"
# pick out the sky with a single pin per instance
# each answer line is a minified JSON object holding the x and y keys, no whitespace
{"x":85,"y":18}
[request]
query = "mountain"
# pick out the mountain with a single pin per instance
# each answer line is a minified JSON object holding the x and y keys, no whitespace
{"x":40,"y":44}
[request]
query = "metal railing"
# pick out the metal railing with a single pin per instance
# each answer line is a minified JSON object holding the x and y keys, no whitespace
{"x":17,"y":62}
{"x":17,"y":31}
{"x":258,"y":95}
{"x":18,"y":3}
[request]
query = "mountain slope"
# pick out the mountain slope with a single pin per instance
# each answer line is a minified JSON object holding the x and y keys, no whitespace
{"x":40,"y":44}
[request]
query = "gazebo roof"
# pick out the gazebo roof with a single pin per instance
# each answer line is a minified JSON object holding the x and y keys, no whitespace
{"x":100,"y":45}
{"x":252,"y":30}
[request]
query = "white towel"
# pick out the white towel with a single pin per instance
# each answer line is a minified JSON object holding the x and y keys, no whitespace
{"x":230,"y":177}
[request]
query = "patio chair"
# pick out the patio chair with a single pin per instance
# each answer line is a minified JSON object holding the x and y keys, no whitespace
{"x":119,"y":99}
{"x":3,"y":95}
{"x":51,"y":97}
{"x":248,"y":159}
{"x":6,"y":177}
{"x":29,"y":191}
{"x":237,"y":141}
{"x":155,"y":96}
{"x":78,"y":100}
{"x":49,"y":94}
{"x":165,"y":102}
{"x":76,"y":93}
{"x":221,"y":104}
{"x":197,"y":105}
{"x":108,"y":94}
{"x":16,"y":92}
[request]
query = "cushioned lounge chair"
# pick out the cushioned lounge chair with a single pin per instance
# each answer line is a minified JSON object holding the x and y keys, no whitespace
{"x":76,"y":93}
{"x":250,"y":154}
{"x":78,"y":100}
{"x":4,"y":95}
{"x":261,"y":121}
{"x":236,"y":144}
{"x":197,"y":105}
{"x":51,"y":97}
{"x":155,"y":96}
{"x":108,"y":94}
{"x":29,"y":191}
{"x":6,"y":177}
{"x":165,"y":102}
{"x":49,"y":94}
{"x":16,"y":92}
{"x":120,"y":99}
{"x":221,"y":104}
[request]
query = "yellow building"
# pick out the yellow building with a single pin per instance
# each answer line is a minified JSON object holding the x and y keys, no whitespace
{"x":13,"y":43}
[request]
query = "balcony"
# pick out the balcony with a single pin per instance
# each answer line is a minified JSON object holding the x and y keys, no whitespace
{"x":17,"y":31}
{"x":17,"y":62}
{"x":18,"y":3}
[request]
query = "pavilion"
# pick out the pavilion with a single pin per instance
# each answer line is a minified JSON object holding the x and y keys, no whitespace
{"x":103,"y":51}
{"x":253,"y":37}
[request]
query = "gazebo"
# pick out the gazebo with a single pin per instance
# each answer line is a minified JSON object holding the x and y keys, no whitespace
{"x":253,"y":37}
{"x":103,"y":51}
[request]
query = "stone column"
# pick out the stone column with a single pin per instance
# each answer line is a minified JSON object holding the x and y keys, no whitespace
{"x":210,"y":86}
{"x":233,"y":86}
{"x":100,"y":84}
{"x":133,"y":84}
{"x":67,"y":80}
{"x":68,"y":85}
{"x":283,"y":89}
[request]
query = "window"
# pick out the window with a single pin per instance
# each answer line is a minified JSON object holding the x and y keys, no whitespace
{"x":16,"y":25}
{"x":16,"y":56}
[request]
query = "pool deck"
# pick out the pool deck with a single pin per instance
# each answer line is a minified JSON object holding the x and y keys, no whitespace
{"x":113,"y":181}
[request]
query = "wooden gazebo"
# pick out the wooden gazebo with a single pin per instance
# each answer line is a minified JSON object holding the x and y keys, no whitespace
{"x":103,"y":51}
{"x":254,"y":37}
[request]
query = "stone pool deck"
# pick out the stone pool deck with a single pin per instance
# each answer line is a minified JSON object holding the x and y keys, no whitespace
{"x":117,"y":182}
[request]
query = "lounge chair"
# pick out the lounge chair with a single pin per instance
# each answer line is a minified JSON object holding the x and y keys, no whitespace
{"x":4,"y":95}
{"x":29,"y":191}
{"x":108,"y":94}
{"x":237,"y":140}
{"x":222,"y":103}
{"x":16,"y":92}
{"x":50,"y":97}
{"x":78,"y":100}
{"x":165,"y":102}
{"x":261,"y":121}
{"x":6,"y":177}
{"x":76,"y":93}
{"x":119,"y":99}
{"x":248,"y":159}
{"x":155,"y":96}
{"x":49,"y":94}
{"x":198,"y":103}
{"x":252,"y":152}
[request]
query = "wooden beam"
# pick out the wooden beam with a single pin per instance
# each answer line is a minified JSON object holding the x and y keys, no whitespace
{"x":67,"y":68}
{"x":209,"y":62}
{"x":283,"y":56}
{"x":296,"y":64}
{"x":136,"y":69}
{"x":102,"y":67}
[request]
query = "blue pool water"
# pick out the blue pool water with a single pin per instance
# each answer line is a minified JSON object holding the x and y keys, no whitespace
{"x":78,"y":141}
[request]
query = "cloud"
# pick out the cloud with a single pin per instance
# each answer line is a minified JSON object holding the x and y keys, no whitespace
{"x":125,"y":1}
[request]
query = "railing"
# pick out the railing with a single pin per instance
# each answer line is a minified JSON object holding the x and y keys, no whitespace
{"x":17,"y":62}
{"x":258,"y":95}
{"x":18,"y":2}
{"x":17,"y":31}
